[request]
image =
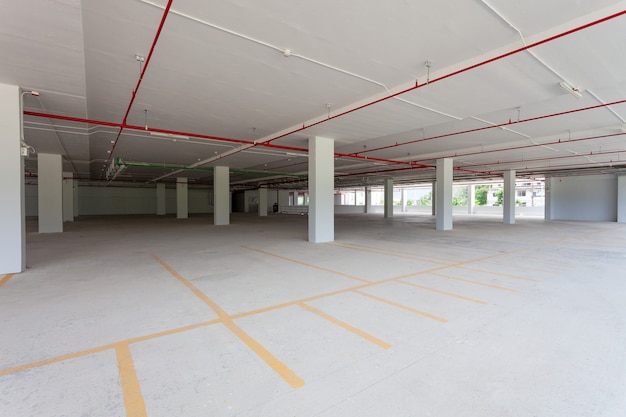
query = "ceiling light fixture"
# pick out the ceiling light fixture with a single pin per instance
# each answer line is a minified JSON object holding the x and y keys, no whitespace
{"x":169,"y":135}
{"x":575,"y":91}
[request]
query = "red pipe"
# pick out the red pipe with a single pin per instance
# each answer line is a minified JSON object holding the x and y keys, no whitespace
{"x":462,"y":70}
{"x":210,"y":137}
{"x":513,"y":148}
{"x":143,"y":71}
{"x":479,"y":129}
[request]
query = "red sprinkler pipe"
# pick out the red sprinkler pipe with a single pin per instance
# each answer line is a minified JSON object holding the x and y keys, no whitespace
{"x":143,"y":71}
{"x":216,"y":138}
{"x":462,"y":70}
{"x":479,"y":129}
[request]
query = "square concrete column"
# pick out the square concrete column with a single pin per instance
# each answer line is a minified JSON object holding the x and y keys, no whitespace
{"x":388,"y":193}
{"x":50,"y":192}
{"x":321,"y":189}
{"x":221,"y":183}
{"x":433,"y":198}
{"x":12,"y":208}
{"x":471,"y":198}
{"x":509,"y":197}
{"x":547,"y":208}
{"x":295,"y":198}
{"x":283,"y":199}
{"x":263,"y":202}
{"x":75,"y":199}
{"x":68,"y":197}
{"x":621,"y":198}
{"x":444,"y":194}
{"x":368,"y":200}
{"x":161,"y":200}
{"x":182,"y":200}
{"x":403,"y":198}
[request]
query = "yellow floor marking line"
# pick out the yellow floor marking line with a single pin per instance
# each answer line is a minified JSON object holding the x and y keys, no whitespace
{"x":280,"y":368}
{"x":6,"y":279}
{"x":537,"y":260}
{"x":428,"y":258}
{"x":484,"y":284}
{"x":383,"y":252}
{"x":411,"y":309}
{"x":348,"y":327}
{"x":498,"y":274}
{"x":520,"y":267}
{"x":102,"y":348}
{"x":131,"y":391}
{"x":305,"y":264}
{"x":462,"y":297}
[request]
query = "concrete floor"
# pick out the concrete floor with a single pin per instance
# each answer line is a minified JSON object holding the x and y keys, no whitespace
{"x":136,"y":316}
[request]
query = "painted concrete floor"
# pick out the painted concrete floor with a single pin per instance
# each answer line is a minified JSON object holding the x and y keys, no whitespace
{"x":147,"y":316}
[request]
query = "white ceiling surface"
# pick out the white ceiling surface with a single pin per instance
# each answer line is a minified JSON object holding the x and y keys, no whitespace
{"x":219,"y":69}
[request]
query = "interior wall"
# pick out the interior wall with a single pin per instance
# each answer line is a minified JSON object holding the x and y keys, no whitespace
{"x":584,"y":198}
{"x":119,"y":200}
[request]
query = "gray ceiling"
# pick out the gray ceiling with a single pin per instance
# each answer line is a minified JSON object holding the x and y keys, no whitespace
{"x":241,"y":78}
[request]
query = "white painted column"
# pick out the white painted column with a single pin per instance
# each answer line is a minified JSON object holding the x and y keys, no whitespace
{"x":75,"y":199}
{"x":68,"y":197}
{"x":388,"y":198}
{"x":471,"y":198}
{"x":295,"y":198}
{"x":221,"y":183}
{"x":433,"y":198}
{"x":12,"y":208}
{"x":161,"y":201}
{"x":368,"y":200}
{"x":321,"y":189}
{"x":403,"y":191}
{"x":283,"y":199}
{"x":621,"y":198}
{"x":182,"y":199}
{"x":547,"y":208}
{"x":508,"y":201}
{"x":50,"y":192}
{"x":444,"y":194}
{"x":263,"y":202}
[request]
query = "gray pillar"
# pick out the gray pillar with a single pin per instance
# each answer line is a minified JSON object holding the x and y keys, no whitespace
{"x":283,"y":198}
{"x":221,"y":183}
{"x":444,"y":194}
{"x":403,"y":200}
{"x":509,"y":197}
{"x":321,"y":189}
{"x":263,"y":202}
{"x":12,"y":211}
{"x":295,"y":198}
{"x":621,"y":198}
{"x":50,"y":192}
{"x":182,"y":200}
{"x":161,"y":201}
{"x":388,"y":198}
{"x":547,"y":207}
{"x":75,"y":199}
{"x":68,"y":197}
{"x":433,"y":199}
{"x":368,"y":200}
{"x":471,"y":199}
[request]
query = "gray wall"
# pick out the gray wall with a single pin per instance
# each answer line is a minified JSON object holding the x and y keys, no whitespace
{"x":119,"y":200}
{"x":586,"y":198}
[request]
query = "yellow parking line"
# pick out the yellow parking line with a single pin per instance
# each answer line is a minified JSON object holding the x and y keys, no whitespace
{"x":498,"y":274}
{"x":473,"y":282}
{"x":6,"y":279}
{"x":411,"y":309}
{"x":385,"y":252}
{"x":98,"y":349}
{"x":131,"y":391}
{"x":305,"y":264}
{"x":280,"y":368}
{"x":462,"y":297}
{"x":520,"y":267}
{"x":348,"y":327}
